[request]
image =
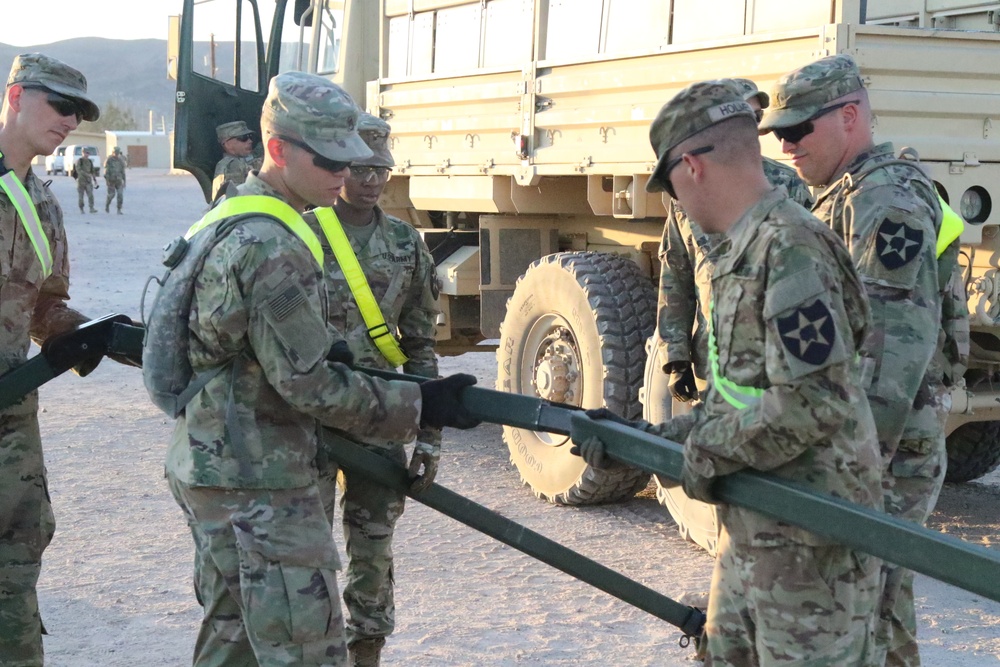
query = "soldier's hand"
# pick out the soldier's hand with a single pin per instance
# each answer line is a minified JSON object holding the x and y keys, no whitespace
{"x":591,"y":450}
{"x":604,"y":413}
{"x":442,"y":404}
{"x":681,"y":383}
{"x":698,"y":476}
{"x":426,"y":457}
{"x":341,"y":353}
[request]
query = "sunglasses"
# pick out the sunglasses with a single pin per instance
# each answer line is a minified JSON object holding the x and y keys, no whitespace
{"x":62,"y":105}
{"x":324,"y":163}
{"x":244,"y":137}
{"x":759,"y":115}
{"x":669,"y":167}
{"x":795,"y":133}
{"x":366,"y":174}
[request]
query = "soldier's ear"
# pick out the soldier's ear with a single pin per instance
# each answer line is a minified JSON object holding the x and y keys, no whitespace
{"x":276,"y":151}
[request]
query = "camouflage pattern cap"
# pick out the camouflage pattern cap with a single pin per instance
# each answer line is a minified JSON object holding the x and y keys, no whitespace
{"x":117,"y":149}
{"x":694,"y":109}
{"x":375,"y":133}
{"x":236,"y":128}
{"x":317,"y":111}
{"x":799,"y":95}
{"x":750,"y":91}
{"x":36,"y":69}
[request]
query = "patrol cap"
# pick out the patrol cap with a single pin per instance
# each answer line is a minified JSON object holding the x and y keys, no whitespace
{"x":375,"y":133}
{"x":799,"y":95}
{"x":317,"y":111}
{"x":696,"y":108}
{"x":117,"y":149}
{"x":236,"y":128}
{"x":36,"y":69}
{"x":750,"y":91}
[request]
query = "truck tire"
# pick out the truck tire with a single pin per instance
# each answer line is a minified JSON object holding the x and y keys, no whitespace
{"x":696,"y":521}
{"x":973,"y":451}
{"x":573,"y":333}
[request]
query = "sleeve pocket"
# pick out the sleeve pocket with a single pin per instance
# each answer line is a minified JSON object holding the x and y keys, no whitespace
{"x":296,"y":324}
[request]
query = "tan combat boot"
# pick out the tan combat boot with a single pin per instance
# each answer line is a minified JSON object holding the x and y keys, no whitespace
{"x":366,"y":652}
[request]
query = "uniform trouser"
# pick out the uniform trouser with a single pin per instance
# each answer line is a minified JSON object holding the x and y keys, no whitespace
{"x":85,"y":187}
{"x":791,"y":605}
{"x":369,"y":515}
{"x":911,"y":489}
{"x":116,"y":189}
{"x":26,"y":528}
{"x":266,"y":577}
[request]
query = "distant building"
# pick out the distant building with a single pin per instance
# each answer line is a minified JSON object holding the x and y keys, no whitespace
{"x":78,"y":137}
{"x":143,"y":149}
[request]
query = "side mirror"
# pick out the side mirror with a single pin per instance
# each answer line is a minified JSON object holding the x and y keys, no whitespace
{"x":303,"y":13}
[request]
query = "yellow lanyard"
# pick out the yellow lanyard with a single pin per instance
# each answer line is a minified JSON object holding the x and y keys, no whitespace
{"x":372,"y":314}
{"x":737,"y":396}
{"x":265,"y":205}
{"x":951,"y":226}
{"x":25,"y":208}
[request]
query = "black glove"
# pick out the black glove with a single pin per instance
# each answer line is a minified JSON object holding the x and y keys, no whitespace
{"x":681,"y":383}
{"x":591,"y":450}
{"x":340,"y":353}
{"x":442,"y":404}
{"x":693,"y":479}
{"x":604,"y":413}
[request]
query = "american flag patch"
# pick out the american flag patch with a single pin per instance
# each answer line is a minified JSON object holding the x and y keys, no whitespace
{"x":282,"y":305}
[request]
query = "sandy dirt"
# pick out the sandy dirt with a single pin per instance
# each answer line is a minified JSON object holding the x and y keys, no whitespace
{"x":116,"y":585}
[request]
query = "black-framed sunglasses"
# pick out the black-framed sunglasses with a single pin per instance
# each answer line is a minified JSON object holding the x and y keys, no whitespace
{"x":325,"y":163}
{"x":759,"y":115}
{"x":672,"y":164}
{"x":366,"y":173}
{"x":244,"y":137}
{"x":795,"y":133}
{"x":62,"y":105}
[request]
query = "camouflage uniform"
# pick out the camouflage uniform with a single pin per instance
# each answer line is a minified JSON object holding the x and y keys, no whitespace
{"x":114,"y":178}
{"x":242,"y":462}
{"x":233,"y":169}
{"x":789,"y":312}
{"x":32,"y":307}
{"x":686,"y":261}
{"x":887,"y":212}
{"x":400,"y":271}
{"x":85,"y":177}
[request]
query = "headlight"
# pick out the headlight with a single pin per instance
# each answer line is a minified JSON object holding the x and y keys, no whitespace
{"x":975,"y":205}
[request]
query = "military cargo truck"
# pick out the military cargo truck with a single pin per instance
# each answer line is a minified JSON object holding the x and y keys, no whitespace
{"x":520,"y":138}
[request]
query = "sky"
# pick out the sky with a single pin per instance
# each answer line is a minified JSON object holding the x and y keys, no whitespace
{"x":47,"y":21}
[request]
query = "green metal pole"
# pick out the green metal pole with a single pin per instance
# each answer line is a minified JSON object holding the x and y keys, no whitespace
{"x":358,"y":460}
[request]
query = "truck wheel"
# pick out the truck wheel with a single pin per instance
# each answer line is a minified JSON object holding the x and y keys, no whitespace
{"x":973,"y":451}
{"x":574,"y":333}
{"x":696,"y":521}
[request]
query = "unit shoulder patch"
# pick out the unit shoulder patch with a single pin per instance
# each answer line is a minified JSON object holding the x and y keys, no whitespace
{"x":808,"y":333}
{"x":897,"y":244}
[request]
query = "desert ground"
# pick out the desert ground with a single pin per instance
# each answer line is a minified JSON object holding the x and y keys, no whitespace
{"x":116,"y":589}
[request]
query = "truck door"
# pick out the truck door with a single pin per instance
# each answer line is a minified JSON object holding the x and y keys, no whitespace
{"x":223,"y":66}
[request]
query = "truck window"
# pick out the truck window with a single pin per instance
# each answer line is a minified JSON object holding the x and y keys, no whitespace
{"x":328,"y":39}
{"x":226,"y":43}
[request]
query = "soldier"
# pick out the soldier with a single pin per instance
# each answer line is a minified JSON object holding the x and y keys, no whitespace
{"x":400,"y":301}
{"x":785,"y":393}
{"x":686,"y":275}
{"x":45,"y":100}
{"x":242,"y":462}
{"x":114,"y":179}
{"x":887,"y":212}
{"x":237,"y":160}
{"x":83,"y":171}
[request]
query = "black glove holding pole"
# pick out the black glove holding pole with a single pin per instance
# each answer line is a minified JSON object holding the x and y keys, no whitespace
{"x":442,"y":402}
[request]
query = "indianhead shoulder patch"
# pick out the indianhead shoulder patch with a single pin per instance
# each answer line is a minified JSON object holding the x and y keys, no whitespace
{"x":897,"y":244}
{"x":808,"y":333}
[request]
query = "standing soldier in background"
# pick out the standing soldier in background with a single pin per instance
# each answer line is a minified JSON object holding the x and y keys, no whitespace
{"x":785,"y":394}
{"x":83,"y":171}
{"x":399,"y":299}
{"x":237,"y":160}
{"x":887,"y":212}
{"x":242,"y":461}
{"x":45,"y":100}
{"x":114,"y":179}
{"x":686,"y":262}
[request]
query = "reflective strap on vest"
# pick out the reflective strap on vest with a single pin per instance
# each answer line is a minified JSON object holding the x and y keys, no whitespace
{"x":262,"y":204}
{"x":379,"y":332}
{"x":737,"y":396}
{"x":25,"y":208}
{"x":951,"y":226}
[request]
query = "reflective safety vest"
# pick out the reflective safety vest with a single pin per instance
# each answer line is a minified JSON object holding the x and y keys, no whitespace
{"x":19,"y":197}
{"x":951,"y":226}
{"x":737,"y":396}
{"x":378,"y":330}
{"x":264,"y":205}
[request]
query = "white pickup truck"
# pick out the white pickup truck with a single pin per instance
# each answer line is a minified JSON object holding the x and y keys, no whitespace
{"x":57,"y":162}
